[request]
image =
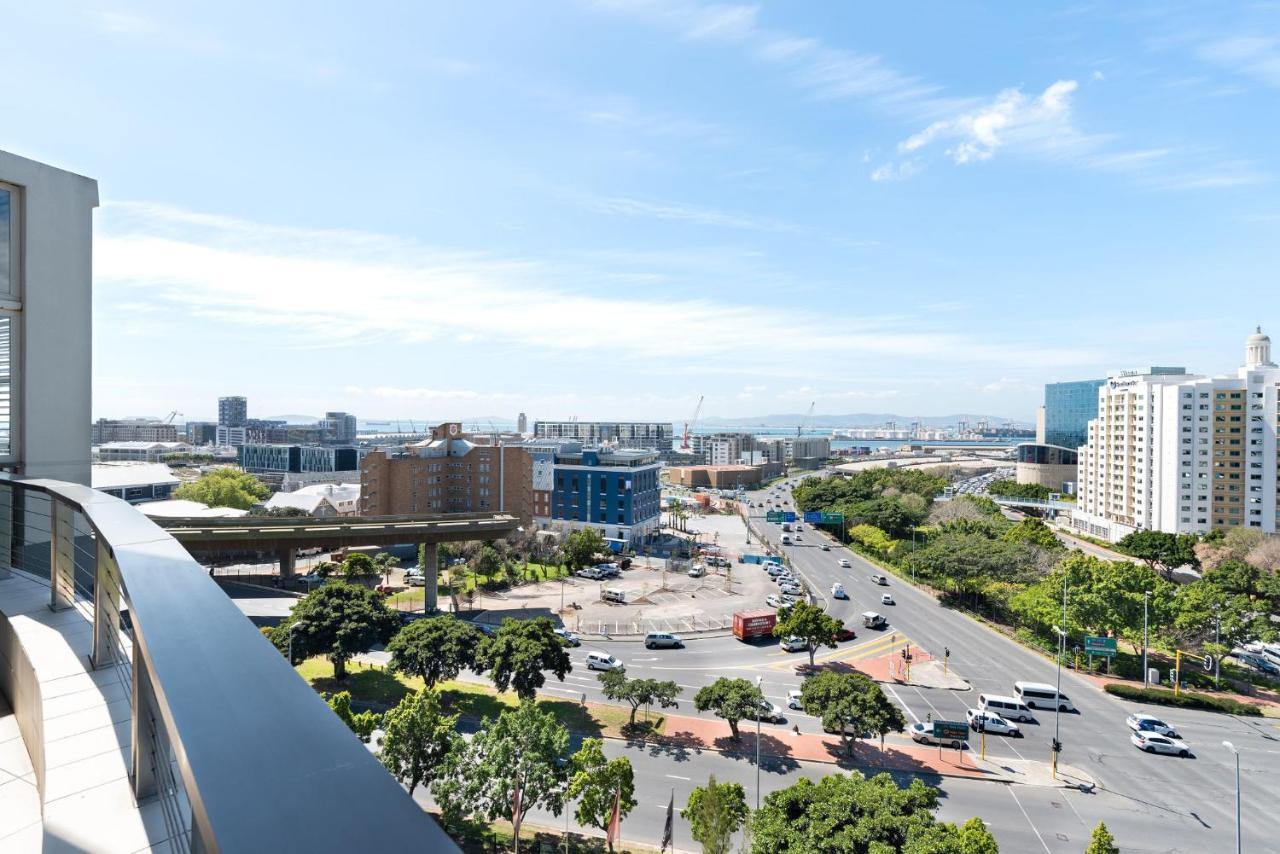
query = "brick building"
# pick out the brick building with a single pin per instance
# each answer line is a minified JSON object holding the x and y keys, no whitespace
{"x":448,"y":473}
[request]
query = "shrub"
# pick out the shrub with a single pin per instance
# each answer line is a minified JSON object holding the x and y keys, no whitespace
{"x":1186,"y":699}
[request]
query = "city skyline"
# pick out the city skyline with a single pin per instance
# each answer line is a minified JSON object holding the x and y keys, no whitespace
{"x":794,"y":205}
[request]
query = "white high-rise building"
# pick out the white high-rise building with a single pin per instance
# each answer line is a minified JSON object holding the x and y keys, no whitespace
{"x":1180,"y":453}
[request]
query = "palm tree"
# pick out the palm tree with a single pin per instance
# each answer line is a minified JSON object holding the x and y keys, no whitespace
{"x":385,"y":561}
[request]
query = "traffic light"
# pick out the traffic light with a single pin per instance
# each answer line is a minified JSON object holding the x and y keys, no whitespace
{"x":1057,"y":746}
{"x":946,"y":652}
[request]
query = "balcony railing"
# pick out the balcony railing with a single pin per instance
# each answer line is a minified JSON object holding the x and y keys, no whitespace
{"x":242,"y":753}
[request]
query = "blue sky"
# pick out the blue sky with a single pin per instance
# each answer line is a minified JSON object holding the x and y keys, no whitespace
{"x":607,"y":209}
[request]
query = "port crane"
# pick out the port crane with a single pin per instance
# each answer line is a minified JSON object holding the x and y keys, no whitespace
{"x":690,"y":424}
{"x":805,"y":421}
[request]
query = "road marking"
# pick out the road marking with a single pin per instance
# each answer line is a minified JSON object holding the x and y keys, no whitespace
{"x":561,"y":690}
{"x":1029,"y":821}
{"x":678,"y":777}
{"x":889,"y":688}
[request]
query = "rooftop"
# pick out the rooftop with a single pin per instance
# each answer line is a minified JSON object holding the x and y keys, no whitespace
{"x":117,"y":474}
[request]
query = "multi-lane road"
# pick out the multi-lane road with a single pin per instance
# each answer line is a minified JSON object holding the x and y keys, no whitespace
{"x":1153,"y":803}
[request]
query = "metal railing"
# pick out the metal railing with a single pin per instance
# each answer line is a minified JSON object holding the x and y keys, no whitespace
{"x":242,"y":754}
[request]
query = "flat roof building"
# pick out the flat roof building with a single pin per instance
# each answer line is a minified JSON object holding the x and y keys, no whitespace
{"x":134,"y":482}
{"x":615,"y":491}
{"x":648,"y":435}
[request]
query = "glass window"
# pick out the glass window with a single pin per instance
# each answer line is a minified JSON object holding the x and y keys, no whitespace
{"x":8,"y":241}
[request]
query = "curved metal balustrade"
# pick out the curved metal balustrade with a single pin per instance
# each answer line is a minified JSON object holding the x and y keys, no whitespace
{"x":243,"y":753}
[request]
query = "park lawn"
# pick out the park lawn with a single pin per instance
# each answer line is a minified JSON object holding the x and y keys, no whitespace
{"x":468,"y":582}
{"x":377,"y":685}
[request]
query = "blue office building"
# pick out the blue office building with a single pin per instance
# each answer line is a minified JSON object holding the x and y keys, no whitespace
{"x":1068,"y":409}
{"x":615,"y":491}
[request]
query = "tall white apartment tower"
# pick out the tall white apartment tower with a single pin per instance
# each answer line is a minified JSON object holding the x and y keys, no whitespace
{"x":1181,"y":453}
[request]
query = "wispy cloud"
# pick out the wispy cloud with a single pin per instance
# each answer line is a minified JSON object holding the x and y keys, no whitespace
{"x":1253,"y":56}
{"x":696,"y":215}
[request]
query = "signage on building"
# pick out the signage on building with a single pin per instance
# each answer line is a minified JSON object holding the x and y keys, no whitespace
{"x":1115,"y":384}
{"x":1095,"y":645}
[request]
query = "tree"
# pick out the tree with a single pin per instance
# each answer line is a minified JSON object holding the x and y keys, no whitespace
{"x":596,"y":782}
{"x":519,"y":654}
{"x":278,"y":512}
{"x":731,"y":699}
{"x":338,"y":621}
{"x":384,"y":562}
{"x":1102,"y":842}
{"x":638,"y":692}
{"x":359,"y":565}
{"x":419,"y":739}
{"x":848,"y":704}
{"x":1265,"y":555}
{"x":361,"y":723}
{"x":434,"y":649}
{"x":1162,"y":552}
{"x":1032,"y":531}
{"x":872,"y":537}
{"x":487,"y":562}
{"x":975,"y":838}
{"x":815,"y":626}
{"x":582,"y":546}
{"x":847,"y":812}
{"x":522,"y":751}
{"x":225,"y":487}
{"x":1013,"y":489}
{"x":715,"y":812}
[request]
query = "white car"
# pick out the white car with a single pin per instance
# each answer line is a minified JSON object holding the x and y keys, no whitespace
{"x":603,"y":661}
{"x":844,"y":561}
{"x":837,"y":591}
{"x":697,"y":571}
{"x":887,"y":599}
{"x":792,"y":589}
{"x":923,"y":733}
{"x":774,"y":570}
{"x":569,"y":638}
{"x":793,"y":700}
{"x":770,"y":712}
{"x":773,"y":601}
{"x":991,"y":722}
{"x":795,"y":644}
{"x":1139,"y":722}
{"x":590,"y":572}
{"x":1154,"y":743}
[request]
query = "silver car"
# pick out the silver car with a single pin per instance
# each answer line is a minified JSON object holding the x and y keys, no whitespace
{"x":1155,"y":743}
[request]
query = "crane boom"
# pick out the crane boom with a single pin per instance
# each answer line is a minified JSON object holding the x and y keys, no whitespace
{"x":805,"y":421}
{"x":690,"y":424}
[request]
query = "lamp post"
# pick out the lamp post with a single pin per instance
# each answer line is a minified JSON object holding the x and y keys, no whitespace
{"x":759,"y":682}
{"x":1057,"y":702}
{"x":1145,"y":594}
{"x":1229,"y":746}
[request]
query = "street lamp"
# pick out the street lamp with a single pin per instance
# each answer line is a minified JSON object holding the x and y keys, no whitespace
{"x":1057,"y":701}
{"x":1145,"y":594}
{"x":759,"y":714}
{"x":1229,"y":746}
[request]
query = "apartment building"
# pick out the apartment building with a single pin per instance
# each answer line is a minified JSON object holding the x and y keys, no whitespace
{"x":647,"y":435}
{"x":233,"y":411}
{"x":1182,"y":453}
{"x":132,"y":430}
{"x":615,"y":491}
{"x":448,"y":473}
{"x":808,"y":451}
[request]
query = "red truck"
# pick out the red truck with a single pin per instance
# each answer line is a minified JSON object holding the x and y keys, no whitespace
{"x":758,"y":623}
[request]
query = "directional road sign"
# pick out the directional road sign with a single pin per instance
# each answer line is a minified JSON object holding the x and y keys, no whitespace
{"x":789,"y":516}
{"x":832,"y":519}
{"x":951,"y":730}
{"x":814,"y":516}
{"x":774,"y":516}
{"x":1095,"y":645}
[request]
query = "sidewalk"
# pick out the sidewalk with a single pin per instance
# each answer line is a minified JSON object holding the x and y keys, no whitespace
{"x":926,"y":671}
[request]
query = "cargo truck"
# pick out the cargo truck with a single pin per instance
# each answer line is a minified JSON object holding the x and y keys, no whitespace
{"x":758,"y":623}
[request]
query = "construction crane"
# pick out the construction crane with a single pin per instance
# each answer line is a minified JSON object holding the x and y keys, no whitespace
{"x":173,"y":415}
{"x":690,"y":424}
{"x":804,"y":421}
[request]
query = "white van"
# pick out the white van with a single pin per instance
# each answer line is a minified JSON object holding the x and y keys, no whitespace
{"x":610,"y":594}
{"x":1006,"y":707}
{"x":603,"y":661}
{"x":786,"y":539}
{"x":1038,"y":695}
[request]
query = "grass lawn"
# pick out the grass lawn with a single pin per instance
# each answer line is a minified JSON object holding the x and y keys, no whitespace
{"x":467,"y":582}
{"x":373,"y":685}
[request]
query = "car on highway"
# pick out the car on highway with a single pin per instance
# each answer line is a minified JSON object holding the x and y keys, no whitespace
{"x":887,"y":599}
{"x":845,"y":633}
{"x":876,"y":578}
{"x":569,"y":638}
{"x":773,"y":601}
{"x":770,"y":712}
{"x":603,"y":661}
{"x":1152,"y":742}
{"x":793,"y":699}
{"x":844,"y":562}
{"x":795,"y":644}
{"x":826,"y":548}
{"x":922,"y":733}
{"x":837,"y":591}
{"x":1142,"y":722}
{"x":991,"y":722}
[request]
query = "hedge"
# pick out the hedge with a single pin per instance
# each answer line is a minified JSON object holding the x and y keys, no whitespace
{"x":1186,"y":699}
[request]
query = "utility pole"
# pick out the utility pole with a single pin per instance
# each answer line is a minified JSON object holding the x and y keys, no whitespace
{"x":1057,"y":700}
{"x":1145,"y":594}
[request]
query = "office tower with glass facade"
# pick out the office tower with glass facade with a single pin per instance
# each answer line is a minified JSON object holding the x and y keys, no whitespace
{"x":1068,"y":408}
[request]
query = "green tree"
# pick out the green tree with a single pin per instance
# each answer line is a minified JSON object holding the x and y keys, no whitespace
{"x":1013,"y":489}
{"x":384,"y":562}
{"x":358,"y":566}
{"x":715,"y":812}
{"x":225,"y":487}
{"x":976,"y":838}
{"x":849,"y":704}
{"x":338,"y":621}
{"x":731,"y":699}
{"x":847,"y":812}
{"x":582,"y":546}
{"x":1160,"y":551}
{"x":523,"y":750}
{"x":595,"y":783}
{"x":1032,"y":531}
{"x":419,"y":739}
{"x":1102,"y":842}
{"x":278,"y":512}
{"x":638,"y":692}
{"x":361,"y":723}
{"x":872,"y":537}
{"x":434,"y":649}
{"x":487,"y":562}
{"x":815,"y":626}
{"x":519,"y":654}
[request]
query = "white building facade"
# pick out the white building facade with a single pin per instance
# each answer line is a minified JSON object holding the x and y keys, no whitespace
{"x":1181,"y":453}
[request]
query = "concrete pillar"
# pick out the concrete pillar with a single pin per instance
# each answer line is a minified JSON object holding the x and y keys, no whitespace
{"x":288,"y":557}
{"x":106,"y":608}
{"x":431,"y":575}
{"x":62,"y":562}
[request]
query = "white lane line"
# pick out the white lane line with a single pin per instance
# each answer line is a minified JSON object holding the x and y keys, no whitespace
{"x":561,"y":690}
{"x":1029,"y":821}
{"x":678,"y":777}
{"x":889,"y":688}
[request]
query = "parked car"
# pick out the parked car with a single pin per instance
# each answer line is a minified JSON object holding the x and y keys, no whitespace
{"x":795,"y":644}
{"x":793,"y":699}
{"x":697,"y":571}
{"x":792,"y":590}
{"x":837,"y":591}
{"x":603,"y":661}
{"x":569,"y":638}
{"x":589,"y":572}
{"x":1155,"y":743}
{"x":991,"y":722}
{"x":415,"y":581}
{"x":1141,"y":722}
{"x":773,"y":601}
{"x":845,"y":633}
{"x":923,"y":733}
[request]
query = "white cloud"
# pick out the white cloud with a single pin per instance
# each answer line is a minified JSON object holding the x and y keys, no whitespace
{"x":698,"y":216}
{"x":1042,"y":124}
{"x":721,"y":22}
{"x":1253,"y":56}
{"x":898,"y":171}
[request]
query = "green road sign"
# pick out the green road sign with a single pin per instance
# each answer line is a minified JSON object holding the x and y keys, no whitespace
{"x":958,"y":730}
{"x":775,"y":516}
{"x":1105,"y":647}
{"x":832,"y":519}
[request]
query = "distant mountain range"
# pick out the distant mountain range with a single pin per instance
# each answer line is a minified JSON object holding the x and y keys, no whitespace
{"x":857,"y":419}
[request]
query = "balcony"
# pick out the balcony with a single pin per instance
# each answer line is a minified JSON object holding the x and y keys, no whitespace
{"x":150,"y":715}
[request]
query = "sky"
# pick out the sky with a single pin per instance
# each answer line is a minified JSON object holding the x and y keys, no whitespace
{"x":610,"y":208}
